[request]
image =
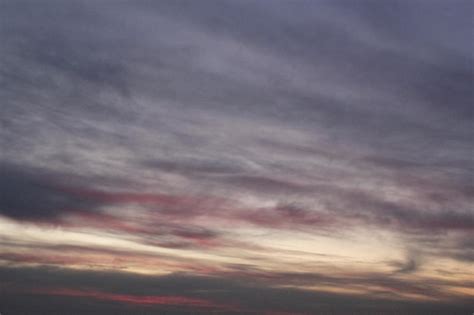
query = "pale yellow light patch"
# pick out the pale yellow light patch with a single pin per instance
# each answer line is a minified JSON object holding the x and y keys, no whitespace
{"x":362,"y":247}
{"x":25,"y":233}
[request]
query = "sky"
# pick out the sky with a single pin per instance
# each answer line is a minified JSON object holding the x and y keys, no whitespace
{"x":236,"y":157}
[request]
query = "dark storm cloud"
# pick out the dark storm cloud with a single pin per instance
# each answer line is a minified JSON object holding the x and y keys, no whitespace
{"x":29,"y":194}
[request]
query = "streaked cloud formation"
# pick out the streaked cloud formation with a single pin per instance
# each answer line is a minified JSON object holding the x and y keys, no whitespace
{"x":237,"y":157}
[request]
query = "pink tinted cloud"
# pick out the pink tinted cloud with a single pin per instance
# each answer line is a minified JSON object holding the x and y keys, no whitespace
{"x":170,"y":208}
{"x":143,"y":300}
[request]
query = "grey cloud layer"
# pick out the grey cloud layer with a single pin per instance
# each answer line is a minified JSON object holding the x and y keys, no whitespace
{"x":359,"y":113}
{"x":147,"y":89}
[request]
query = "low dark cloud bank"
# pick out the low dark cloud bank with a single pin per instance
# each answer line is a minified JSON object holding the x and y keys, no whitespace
{"x":229,"y":295}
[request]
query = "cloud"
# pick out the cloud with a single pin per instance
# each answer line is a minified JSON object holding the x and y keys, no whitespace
{"x":131,"y":299}
{"x":29,"y":194}
{"x":194,"y":166}
{"x":226,"y":295}
{"x":189,"y":128}
{"x":410,"y":265}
